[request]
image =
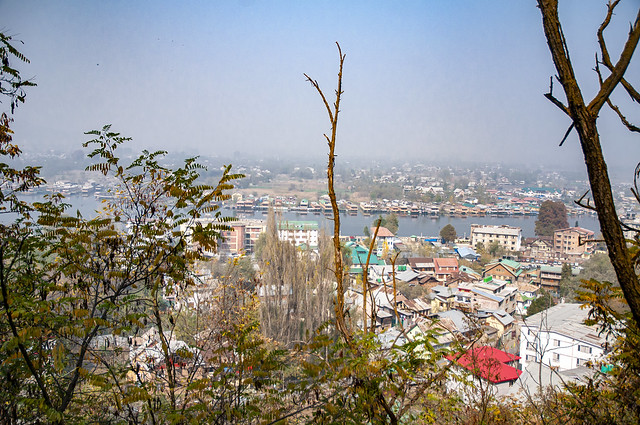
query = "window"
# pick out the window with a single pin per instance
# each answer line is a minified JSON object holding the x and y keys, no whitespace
{"x":556,"y":343}
{"x":531,"y":346}
{"x":530,"y":358}
{"x":579,"y":361}
{"x":556,"y":357}
{"x":584,"y":349}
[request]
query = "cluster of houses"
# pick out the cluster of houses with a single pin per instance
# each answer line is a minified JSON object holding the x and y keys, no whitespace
{"x":487,"y":308}
{"x":413,"y":296}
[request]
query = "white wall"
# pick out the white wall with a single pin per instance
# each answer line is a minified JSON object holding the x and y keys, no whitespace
{"x":555,"y":349}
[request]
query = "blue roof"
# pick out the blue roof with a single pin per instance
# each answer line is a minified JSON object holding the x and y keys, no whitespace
{"x":465,"y":251}
{"x":488,"y":295}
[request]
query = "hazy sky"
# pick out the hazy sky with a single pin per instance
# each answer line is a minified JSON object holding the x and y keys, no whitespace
{"x":430,"y":79}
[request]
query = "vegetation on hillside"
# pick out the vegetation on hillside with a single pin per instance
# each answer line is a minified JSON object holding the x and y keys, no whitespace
{"x":75,"y":291}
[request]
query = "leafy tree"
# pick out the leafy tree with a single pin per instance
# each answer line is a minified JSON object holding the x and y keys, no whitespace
{"x":495,"y":249}
{"x":237,"y":269}
{"x":390,"y":221}
{"x":448,"y":233}
{"x":551,"y":217}
{"x":543,"y":302}
{"x":12,"y":85}
{"x":565,"y":284}
{"x":69,"y":280}
{"x":566,"y":272}
{"x":260,"y":243}
{"x":386,"y":191}
{"x":69,"y":285}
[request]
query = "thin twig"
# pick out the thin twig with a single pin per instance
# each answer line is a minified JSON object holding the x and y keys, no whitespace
{"x":566,"y":134}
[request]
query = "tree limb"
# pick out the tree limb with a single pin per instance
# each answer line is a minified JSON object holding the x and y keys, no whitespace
{"x":554,"y":100}
{"x":566,"y":134}
{"x":606,"y":59}
{"x":617,"y":72}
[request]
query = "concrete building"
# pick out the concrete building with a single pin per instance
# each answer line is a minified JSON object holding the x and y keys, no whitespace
{"x":299,"y":232}
{"x":573,"y":242}
{"x":557,"y":337}
{"x":243,"y":237}
{"x":488,"y":294}
{"x":508,"y":237}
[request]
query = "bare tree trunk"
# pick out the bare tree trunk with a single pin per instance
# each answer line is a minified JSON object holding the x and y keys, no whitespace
{"x":331,"y":141}
{"x":584,"y":121}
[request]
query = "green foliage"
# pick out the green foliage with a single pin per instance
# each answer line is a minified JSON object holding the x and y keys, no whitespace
{"x":237,"y":269}
{"x":566,"y":286}
{"x":612,"y":397}
{"x":390,"y":221}
{"x":598,"y":267}
{"x":448,"y":233}
{"x":11,"y":83}
{"x":495,"y":249}
{"x":69,"y":285}
{"x":361,"y":381}
{"x":551,"y":217}
{"x":66,"y":281}
{"x":566,"y":271}
{"x":543,"y":302}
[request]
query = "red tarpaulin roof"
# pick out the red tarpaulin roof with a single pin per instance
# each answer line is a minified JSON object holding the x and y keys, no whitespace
{"x":488,"y":363}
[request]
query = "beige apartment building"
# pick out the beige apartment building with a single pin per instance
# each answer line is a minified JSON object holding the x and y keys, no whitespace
{"x":573,"y":242}
{"x":508,"y":237}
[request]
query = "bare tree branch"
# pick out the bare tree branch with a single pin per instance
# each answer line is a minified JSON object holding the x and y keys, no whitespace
{"x":584,"y":118}
{"x":555,"y":101}
{"x":617,"y":72}
{"x":581,"y":203}
{"x":606,"y":59}
{"x":566,"y":134}
{"x":615,"y":108}
{"x":623,"y":119}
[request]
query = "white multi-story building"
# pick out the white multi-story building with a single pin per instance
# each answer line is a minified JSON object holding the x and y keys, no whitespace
{"x":508,"y":237}
{"x":490,"y":294}
{"x":557,"y":337}
{"x":299,"y":232}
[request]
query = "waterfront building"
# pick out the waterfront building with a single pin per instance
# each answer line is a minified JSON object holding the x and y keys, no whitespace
{"x":299,"y":232}
{"x":573,"y":242}
{"x":508,"y":237}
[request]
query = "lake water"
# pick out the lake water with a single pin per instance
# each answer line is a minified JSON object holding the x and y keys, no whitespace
{"x":423,"y":225}
{"x":354,"y":224}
